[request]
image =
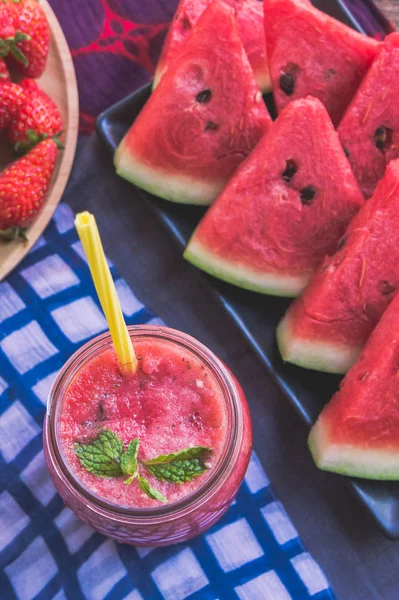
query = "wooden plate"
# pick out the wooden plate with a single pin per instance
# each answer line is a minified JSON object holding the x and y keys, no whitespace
{"x":59,"y":82}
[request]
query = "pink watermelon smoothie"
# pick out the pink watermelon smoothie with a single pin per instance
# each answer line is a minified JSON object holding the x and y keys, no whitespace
{"x":172,"y":402}
{"x":181,"y":396}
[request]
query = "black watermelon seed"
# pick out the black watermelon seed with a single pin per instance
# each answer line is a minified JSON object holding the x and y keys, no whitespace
{"x":290,"y":170}
{"x":186,"y":23}
{"x":211,"y":126}
{"x":383,"y":138}
{"x":347,"y":153}
{"x":385,"y":288}
{"x":307,"y":195}
{"x":203,"y":96}
{"x":101,"y":411}
{"x":287,"y":83}
{"x":342,"y":243}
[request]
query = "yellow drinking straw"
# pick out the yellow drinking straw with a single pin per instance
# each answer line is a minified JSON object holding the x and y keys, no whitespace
{"x":87,"y":229}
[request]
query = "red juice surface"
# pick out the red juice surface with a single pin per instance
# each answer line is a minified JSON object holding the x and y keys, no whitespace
{"x":172,"y":402}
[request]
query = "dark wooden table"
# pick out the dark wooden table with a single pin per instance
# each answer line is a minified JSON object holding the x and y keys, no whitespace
{"x":391,"y":9}
{"x":359,"y":561}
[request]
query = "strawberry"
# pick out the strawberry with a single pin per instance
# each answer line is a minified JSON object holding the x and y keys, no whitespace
{"x":36,"y":118}
{"x":4,"y":73}
{"x":23,"y":188}
{"x":29,"y":18}
{"x":9,"y":37}
{"x":7,"y":29}
{"x":12,"y":97}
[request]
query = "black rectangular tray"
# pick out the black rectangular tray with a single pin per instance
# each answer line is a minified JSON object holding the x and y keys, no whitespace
{"x":257,"y":315}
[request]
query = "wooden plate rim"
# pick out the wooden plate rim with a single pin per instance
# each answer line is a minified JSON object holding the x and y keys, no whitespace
{"x":19,"y":250}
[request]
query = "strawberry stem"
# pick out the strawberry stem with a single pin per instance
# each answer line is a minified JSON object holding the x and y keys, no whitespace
{"x":13,"y":233}
{"x":57,"y":140}
{"x":34,"y":138}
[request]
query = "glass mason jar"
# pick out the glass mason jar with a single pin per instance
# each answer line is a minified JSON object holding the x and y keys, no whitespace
{"x":176,"y":521}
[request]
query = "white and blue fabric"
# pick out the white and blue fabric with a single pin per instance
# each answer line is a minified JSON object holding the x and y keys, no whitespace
{"x":48,"y":308}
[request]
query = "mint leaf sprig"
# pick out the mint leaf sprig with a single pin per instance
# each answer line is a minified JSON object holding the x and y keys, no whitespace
{"x":180,"y":466}
{"x":105,"y":457}
{"x":129,"y":462}
{"x":151,"y":492}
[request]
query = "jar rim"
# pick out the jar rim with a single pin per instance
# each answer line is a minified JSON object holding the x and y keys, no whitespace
{"x":226,"y":461}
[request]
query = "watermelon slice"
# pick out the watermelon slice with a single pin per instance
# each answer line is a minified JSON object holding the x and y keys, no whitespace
{"x":357,"y":432}
{"x":201,"y":121}
{"x":312,"y":53}
{"x":249,"y":17}
{"x":374,"y":116}
{"x":285,"y":208}
{"x":327,"y":327}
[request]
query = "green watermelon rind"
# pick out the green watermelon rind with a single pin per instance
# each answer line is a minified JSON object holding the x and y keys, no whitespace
{"x":316,"y":355}
{"x":157,"y":77}
{"x":273,"y":284}
{"x":351,"y":460}
{"x":175,"y":188}
{"x":263,"y":81}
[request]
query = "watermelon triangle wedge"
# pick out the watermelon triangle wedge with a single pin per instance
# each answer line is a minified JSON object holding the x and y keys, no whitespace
{"x":357,"y":432}
{"x":201,"y":121}
{"x":284,"y":209}
{"x":249,"y":18}
{"x":313,"y":54}
{"x":327,"y":327}
{"x":374,"y":116}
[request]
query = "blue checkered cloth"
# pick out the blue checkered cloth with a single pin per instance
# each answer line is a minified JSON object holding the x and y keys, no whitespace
{"x":48,"y":308}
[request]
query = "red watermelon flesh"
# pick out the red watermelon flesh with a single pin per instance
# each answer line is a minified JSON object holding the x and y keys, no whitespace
{"x":327,"y":327}
{"x":201,"y":121}
{"x":249,"y":17}
{"x":357,"y":432}
{"x":312,"y":53}
{"x":285,"y":208}
{"x":374,"y":117}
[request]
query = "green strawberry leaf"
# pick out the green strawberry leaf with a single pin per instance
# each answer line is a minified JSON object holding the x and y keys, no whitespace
{"x":20,"y":36}
{"x":32,"y":139}
{"x":4,"y":48}
{"x":13,"y":233}
{"x":103,"y":456}
{"x":18,"y":55}
{"x":150,"y":491}
{"x":180,"y":466}
{"x":129,"y":458}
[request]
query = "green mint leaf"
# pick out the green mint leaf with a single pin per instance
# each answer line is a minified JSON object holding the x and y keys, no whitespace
{"x":103,"y":456}
{"x":129,"y":458}
{"x":150,"y":491}
{"x":186,"y":454}
{"x":130,"y":479}
{"x":180,"y":466}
